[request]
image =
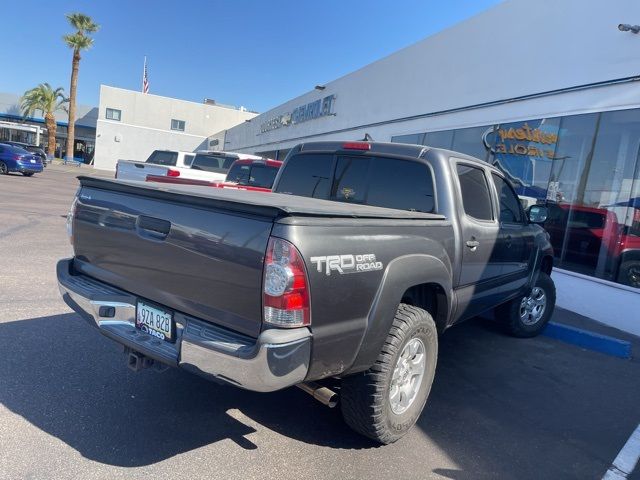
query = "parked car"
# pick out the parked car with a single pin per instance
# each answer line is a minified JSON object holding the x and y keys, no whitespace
{"x":588,"y":233}
{"x":348,"y":272}
{"x":34,"y":149}
{"x":257,"y":175}
{"x":201,"y":165}
{"x":16,"y":159}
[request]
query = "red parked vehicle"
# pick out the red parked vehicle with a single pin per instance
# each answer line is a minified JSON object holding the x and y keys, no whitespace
{"x":589,"y":230}
{"x":246,"y":174}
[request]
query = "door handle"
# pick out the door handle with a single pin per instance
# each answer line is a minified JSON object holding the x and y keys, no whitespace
{"x":473,"y":245}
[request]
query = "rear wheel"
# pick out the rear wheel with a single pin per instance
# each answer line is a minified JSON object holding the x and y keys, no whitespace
{"x":384,"y":402}
{"x":630,"y":273}
{"x":4,"y":170}
{"x":527,"y":316}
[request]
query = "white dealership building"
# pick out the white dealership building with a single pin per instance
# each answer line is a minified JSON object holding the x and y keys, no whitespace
{"x":133,"y":124}
{"x":547,"y":90}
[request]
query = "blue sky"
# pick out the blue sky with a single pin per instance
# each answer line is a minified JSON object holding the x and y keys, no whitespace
{"x":257,"y":54}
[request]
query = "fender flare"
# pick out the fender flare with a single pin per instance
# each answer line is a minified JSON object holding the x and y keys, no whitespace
{"x":401,"y":274}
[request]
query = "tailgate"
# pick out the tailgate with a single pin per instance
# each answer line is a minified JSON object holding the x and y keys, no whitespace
{"x":201,"y":260}
{"x":128,"y":170}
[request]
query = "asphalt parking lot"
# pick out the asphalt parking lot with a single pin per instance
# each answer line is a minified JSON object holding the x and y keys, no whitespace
{"x":70,"y":408}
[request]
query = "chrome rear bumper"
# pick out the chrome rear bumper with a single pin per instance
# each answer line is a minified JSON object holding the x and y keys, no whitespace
{"x":276,"y":359}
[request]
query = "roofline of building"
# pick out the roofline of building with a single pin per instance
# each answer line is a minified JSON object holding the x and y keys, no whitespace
{"x":10,"y":116}
{"x":218,"y":105}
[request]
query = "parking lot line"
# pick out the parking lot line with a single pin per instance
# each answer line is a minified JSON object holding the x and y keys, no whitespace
{"x":626,"y":460}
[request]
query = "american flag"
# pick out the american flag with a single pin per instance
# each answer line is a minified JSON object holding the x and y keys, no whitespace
{"x":145,"y":79}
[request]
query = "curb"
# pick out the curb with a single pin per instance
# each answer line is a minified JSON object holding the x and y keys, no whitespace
{"x":589,"y":340}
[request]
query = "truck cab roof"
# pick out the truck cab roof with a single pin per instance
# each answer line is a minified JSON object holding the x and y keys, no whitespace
{"x":386,"y":148}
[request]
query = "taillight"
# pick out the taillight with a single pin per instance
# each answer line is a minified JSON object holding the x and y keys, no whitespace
{"x":356,"y":146}
{"x":173,"y":173}
{"x":17,"y":157}
{"x":70,"y":215}
{"x":285,"y":294}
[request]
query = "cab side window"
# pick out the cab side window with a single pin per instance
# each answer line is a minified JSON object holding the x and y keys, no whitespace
{"x":476,"y":198}
{"x":510,"y":208}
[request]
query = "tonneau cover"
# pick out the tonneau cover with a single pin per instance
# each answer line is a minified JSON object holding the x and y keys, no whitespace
{"x":269,"y":204}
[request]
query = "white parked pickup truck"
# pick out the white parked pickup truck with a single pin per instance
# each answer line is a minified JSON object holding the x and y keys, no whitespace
{"x":200,"y":165}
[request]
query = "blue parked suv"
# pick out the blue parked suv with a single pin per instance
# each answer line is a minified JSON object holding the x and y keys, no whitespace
{"x":16,"y":159}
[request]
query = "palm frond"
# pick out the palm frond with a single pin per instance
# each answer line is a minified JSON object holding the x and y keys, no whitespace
{"x":78,"y":41}
{"x":82,"y":23}
{"x":44,"y":98}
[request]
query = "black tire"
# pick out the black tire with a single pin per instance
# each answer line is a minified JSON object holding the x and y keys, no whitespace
{"x":4,"y":170}
{"x":27,"y":174}
{"x":509,"y":314}
{"x":629,"y":273}
{"x":364,"y":397}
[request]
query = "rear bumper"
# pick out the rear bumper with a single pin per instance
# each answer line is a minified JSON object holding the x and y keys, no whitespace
{"x":29,"y":167}
{"x":276,"y":359}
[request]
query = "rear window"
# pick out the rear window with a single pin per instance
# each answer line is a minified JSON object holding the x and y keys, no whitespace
{"x":378,"y":181}
{"x":163,"y":158}
{"x":384,"y":182}
{"x":13,"y":149}
{"x":307,"y":176}
{"x":212,"y":163}
{"x":253,"y":175}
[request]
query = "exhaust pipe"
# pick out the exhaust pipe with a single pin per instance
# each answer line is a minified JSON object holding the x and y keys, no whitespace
{"x":324,"y":395}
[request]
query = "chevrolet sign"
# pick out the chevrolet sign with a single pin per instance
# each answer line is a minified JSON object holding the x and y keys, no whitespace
{"x":319,"y":108}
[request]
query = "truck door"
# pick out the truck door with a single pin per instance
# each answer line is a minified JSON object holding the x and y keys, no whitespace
{"x":515,"y":238}
{"x":480,"y":271}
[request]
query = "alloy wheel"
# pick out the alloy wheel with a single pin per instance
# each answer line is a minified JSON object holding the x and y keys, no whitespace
{"x":532,"y":308}
{"x":407,"y":376}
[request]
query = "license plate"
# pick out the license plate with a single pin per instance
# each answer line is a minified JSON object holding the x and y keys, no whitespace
{"x":155,"y":321}
{"x":32,"y":161}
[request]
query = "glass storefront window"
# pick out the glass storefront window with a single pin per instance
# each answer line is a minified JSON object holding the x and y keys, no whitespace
{"x":415,"y":139}
{"x":585,"y":167}
{"x":470,"y":141}
{"x":442,"y":139}
{"x":524,"y":151}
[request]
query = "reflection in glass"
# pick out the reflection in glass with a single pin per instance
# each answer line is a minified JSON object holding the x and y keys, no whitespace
{"x":469,"y":141}
{"x":525,"y":152}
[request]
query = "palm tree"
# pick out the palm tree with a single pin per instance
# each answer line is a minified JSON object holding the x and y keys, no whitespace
{"x":45,"y":98}
{"x":80,"y":40}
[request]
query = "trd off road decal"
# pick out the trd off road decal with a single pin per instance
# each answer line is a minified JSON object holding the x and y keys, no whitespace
{"x":344,"y":264}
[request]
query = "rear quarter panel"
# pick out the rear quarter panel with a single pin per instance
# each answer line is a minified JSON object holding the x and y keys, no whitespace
{"x":348,"y":307}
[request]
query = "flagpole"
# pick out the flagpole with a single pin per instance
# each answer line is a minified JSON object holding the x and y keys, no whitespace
{"x":144,"y":69}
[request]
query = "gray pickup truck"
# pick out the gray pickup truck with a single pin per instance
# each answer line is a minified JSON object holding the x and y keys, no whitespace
{"x":339,"y":282}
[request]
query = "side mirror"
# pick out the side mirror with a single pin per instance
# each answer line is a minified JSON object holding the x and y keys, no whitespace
{"x":538,"y":213}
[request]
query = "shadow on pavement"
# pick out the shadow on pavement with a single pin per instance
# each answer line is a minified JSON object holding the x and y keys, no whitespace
{"x":71,"y":382}
{"x":500,"y":407}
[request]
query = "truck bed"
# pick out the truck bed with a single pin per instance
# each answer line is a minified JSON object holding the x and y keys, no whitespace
{"x":272,"y":205}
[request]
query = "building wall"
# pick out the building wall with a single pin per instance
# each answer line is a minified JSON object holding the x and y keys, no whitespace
{"x":145,"y":125}
{"x":514,"y":49}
